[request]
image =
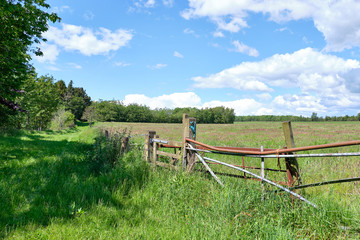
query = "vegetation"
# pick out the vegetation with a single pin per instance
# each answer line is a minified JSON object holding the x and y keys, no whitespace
{"x":115,"y":111}
{"x":54,"y":185}
{"x":22,"y":23}
{"x":313,"y":118}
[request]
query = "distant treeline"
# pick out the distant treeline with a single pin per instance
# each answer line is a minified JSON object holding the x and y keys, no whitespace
{"x":115,"y":111}
{"x":313,"y":118}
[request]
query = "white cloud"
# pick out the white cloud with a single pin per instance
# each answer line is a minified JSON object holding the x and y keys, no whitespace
{"x":242,"y":48}
{"x":187,"y":99}
{"x":178,"y":55}
{"x":329,"y":17}
{"x":189,"y":31}
{"x":145,"y":3}
{"x":218,"y":34}
{"x":281,"y":70}
{"x":158,"y":66}
{"x":86,"y":40}
{"x":241,"y":107}
{"x":323,"y":83}
{"x":50,"y":53}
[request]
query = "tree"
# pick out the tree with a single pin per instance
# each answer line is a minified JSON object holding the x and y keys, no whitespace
{"x":62,"y":119}
{"x":40,"y":100}
{"x":89,"y":114}
{"x":76,"y":100}
{"x":22,"y":23}
{"x":314,"y":117}
{"x":61,"y":89}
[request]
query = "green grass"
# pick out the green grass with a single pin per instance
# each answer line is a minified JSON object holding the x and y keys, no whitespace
{"x":49,"y":190}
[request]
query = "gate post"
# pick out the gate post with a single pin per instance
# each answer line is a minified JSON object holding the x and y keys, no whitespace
{"x":292,"y":166}
{"x":148,"y":145}
{"x":189,"y":131}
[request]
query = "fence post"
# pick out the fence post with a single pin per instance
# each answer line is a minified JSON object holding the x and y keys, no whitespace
{"x":148,"y":145}
{"x":124,"y":145}
{"x":155,"y":154}
{"x":189,"y":131}
{"x":292,"y":166}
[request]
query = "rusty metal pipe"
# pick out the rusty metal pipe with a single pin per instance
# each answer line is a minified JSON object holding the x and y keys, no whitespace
{"x":278,"y":151}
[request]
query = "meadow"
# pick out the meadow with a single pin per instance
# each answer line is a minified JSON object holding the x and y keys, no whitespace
{"x":49,"y":189}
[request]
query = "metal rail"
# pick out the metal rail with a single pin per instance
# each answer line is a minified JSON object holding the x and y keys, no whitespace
{"x":287,"y":156}
{"x":277,"y":151}
{"x":254,"y":175}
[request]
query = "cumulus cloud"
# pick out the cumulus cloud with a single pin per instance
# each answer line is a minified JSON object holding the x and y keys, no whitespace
{"x":245,"y":106}
{"x":329,"y":17}
{"x":178,"y":55}
{"x":322,"y":82}
{"x":218,"y":34}
{"x":145,"y":3}
{"x":242,"y":48}
{"x":50,"y":53}
{"x":86,"y":40}
{"x":187,"y":99}
{"x":307,"y":66}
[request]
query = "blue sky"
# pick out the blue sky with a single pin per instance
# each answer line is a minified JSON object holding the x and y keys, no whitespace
{"x":258,"y":57}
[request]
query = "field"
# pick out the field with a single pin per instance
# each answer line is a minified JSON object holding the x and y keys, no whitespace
{"x":49,"y":190}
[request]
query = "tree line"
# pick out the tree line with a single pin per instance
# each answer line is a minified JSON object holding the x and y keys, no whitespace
{"x":116,"y":111}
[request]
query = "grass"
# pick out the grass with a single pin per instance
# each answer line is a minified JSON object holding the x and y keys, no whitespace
{"x":49,"y":189}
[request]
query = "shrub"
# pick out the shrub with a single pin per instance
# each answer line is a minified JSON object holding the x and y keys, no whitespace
{"x":62,"y":119}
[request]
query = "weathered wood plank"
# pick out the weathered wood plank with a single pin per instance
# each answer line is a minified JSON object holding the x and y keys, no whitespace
{"x":167,"y":154}
{"x":291,"y":163}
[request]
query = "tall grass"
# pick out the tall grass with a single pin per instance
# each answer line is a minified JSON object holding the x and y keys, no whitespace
{"x":51,"y":189}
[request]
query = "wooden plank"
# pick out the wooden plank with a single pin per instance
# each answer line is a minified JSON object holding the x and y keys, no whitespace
{"x":167,"y":165}
{"x":291,"y":163}
{"x":167,"y":154}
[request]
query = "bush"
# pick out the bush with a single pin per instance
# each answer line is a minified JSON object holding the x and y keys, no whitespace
{"x":108,"y":151}
{"x":62,"y":119}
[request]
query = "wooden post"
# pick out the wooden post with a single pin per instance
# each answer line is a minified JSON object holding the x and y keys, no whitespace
{"x":155,"y":154}
{"x":189,"y":131}
{"x":148,"y":145}
{"x":292,"y":166}
{"x":124,"y":144}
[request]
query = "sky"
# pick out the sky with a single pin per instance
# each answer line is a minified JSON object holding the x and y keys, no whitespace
{"x":258,"y":57}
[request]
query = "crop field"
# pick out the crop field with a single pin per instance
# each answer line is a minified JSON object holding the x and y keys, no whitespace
{"x":49,"y":189}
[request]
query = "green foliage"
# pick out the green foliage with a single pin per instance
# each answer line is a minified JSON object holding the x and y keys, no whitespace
{"x":107,"y":151}
{"x":62,"y":119}
{"x":41,"y":101}
{"x":114,"y":111}
{"x":22,"y":25}
{"x":89,"y":114}
{"x":76,"y":100}
{"x":49,"y":191}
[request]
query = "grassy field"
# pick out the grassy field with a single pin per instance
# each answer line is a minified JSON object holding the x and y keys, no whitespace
{"x":49,"y":189}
